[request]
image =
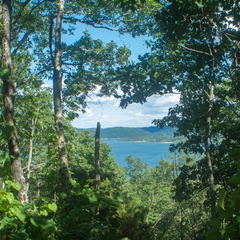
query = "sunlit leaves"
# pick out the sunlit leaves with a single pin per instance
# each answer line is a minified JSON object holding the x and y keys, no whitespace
{"x":52,"y":207}
{"x":18,"y":213}
{"x":92,"y":65}
{"x":16,"y":185}
{"x":19,"y":221}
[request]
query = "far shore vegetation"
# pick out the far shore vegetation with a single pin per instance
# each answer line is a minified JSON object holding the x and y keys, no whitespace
{"x":138,"y":134}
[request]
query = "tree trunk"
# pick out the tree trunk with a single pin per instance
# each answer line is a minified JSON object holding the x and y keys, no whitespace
{"x":30,"y":154}
{"x":57,"y":94}
{"x":208,"y":155}
{"x":181,"y":224}
{"x":9,"y":89}
{"x":97,"y":157}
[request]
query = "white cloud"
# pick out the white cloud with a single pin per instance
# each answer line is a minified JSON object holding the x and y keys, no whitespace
{"x":165,"y":100}
{"x":138,"y":114}
{"x":109,"y":114}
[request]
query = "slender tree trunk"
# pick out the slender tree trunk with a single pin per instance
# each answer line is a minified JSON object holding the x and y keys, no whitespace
{"x":30,"y":154}
{"x":97,"y":157}
{"x":9,"y":89}
{"x":57,"y":94}
{"x":208,"y":155}
{"x":181,"y":224}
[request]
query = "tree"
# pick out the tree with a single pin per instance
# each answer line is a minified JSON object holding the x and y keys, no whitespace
{"x":97,"y":157}
{"x":9,"y":90}
{"x":92,"y":64}
{"x":30,"y":17}
{"x":37,"y":138}
{"x":207,"y":41}
{"x":57,"y":96}
{"x":204,"y":32}
{"x":192,"y":55}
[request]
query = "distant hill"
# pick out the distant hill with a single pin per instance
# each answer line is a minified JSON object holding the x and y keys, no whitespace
{"x":149,"y":134}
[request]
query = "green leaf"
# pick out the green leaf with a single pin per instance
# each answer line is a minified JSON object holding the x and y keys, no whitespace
{"x":62,"y":195}
{"x":3,"y":193}
{"x":44,"y":212}
{"x":221,"y":200}
{"x":52,"y":207}
{"x":16,"y":186}
{"x":34,"y":223}
{"x":18,"y":213}
{"x":10,"y":198}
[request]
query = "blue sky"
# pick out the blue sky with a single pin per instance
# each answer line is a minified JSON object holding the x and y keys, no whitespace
{"x":109,"y":114}
{"x":106,"y":110}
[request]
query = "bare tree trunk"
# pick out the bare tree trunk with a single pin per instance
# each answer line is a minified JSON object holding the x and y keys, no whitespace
{"x":97,"y":157}
{"x":9,"y":89}
{"x":57,"y":94}
{"x":30,"y":154}
{"x":181,"y":224}
{"x":208,"y":155}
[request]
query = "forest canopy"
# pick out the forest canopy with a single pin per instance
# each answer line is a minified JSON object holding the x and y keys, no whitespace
{"x":60,"y":183}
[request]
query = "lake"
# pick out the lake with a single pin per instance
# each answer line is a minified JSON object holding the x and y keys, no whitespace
{"x":150,"y":152}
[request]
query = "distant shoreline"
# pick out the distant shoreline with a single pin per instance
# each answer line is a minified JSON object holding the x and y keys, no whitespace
{"x":144,"y":134}
{"x":121,"y":140}
{"x":146,"y":141}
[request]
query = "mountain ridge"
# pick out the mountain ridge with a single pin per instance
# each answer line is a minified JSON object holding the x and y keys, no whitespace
{"x":149,"y":134}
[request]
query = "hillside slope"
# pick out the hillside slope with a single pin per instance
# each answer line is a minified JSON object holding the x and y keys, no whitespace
{"x":150,"y":134}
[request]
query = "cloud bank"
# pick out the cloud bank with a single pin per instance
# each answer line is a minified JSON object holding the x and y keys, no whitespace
{"x":107,"y":111}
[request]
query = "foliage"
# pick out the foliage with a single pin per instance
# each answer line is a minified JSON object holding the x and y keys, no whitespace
{"x":147,"y":207}
{"x":91,"y":70}
{"x":226,"y":225}
{"x":29,"y":221}
{"x":194,"y":53}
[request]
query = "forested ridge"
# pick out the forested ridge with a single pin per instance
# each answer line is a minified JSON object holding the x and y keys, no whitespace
{"x":60,"y":183}
{"x":148,"y":134}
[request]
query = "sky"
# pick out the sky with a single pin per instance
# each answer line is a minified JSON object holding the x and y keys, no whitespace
{"x":109,"y":114}
{"x":106,"y":110}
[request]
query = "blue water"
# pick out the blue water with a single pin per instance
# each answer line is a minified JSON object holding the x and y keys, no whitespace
{"x":150,"y":152}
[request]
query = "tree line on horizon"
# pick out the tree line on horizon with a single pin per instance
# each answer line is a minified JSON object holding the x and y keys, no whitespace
{"x":48,"y":185}
{"x":149,"y":134}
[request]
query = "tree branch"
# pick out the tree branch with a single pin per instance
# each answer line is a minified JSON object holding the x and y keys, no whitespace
{"x":43,"y":71}
{"x":90,"y":23}
{"x":22,"y":41}
{"x":195,"y":50}
{"x":50,"y":42}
